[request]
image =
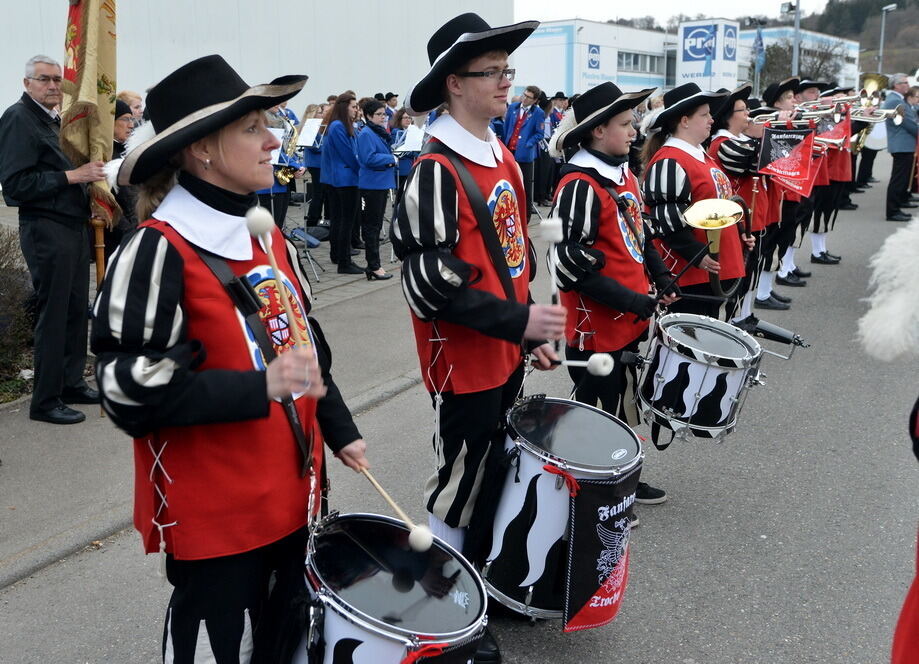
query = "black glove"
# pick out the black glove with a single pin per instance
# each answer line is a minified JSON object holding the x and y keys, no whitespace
{"x":662,"y":282}
{"x":643,"y":306}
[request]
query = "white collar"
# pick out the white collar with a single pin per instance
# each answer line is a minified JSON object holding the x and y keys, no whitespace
{"x":456,"y":137}
{"x":688,"y":148}
{"x":203,"y":226}
{"x":584,"y":159}
{"x":50,"y":111}
{"x":727,"y":134}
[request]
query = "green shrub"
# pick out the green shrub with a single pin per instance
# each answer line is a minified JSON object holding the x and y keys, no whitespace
{"x":15,"y":317}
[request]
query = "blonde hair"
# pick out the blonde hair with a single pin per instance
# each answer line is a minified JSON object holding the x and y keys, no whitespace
{"x":152,"y":191}
{"x":127,"y":96}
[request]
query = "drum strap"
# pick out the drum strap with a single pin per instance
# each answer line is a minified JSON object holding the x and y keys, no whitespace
{"x":656,"y":434}
{"x":482,"y":215}
{"x":248,"y":304}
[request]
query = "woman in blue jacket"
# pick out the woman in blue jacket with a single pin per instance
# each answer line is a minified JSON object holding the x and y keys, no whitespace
{"x":400,"y":124}
{"x":338,"y":171}
{"x":375,"y":179}
{"x":313,"y":158}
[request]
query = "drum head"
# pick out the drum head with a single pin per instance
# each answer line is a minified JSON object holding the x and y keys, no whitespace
{"x":584,"y":437}
{"x":365,"y":560}
{"x":708,"y":336}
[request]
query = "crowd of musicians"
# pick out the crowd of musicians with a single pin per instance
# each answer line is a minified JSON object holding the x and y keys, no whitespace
{"x":229,"y":395}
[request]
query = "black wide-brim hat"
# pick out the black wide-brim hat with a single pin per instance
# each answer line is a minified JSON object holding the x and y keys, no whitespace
{"x":192,"y":102}
{"x":681,"y":101}
{"x":457,"y":42}
{"x":594,"y":108}
{"x":837,"y":90}
{"x":775,"y":90}
{"x":726,"y":107}
{"x":558,"y":95}
{"x":807,"y":83}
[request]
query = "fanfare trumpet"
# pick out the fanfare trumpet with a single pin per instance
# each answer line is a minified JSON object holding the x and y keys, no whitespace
{"x":874,"y":116}
{"x":836,"y":111}
{"x":712,"y":215}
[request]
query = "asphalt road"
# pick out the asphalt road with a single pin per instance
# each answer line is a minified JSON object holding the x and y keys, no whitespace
{"x":791,"y":542}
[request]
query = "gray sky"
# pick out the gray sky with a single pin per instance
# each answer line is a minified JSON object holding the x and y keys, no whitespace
{"x":597,"y":10}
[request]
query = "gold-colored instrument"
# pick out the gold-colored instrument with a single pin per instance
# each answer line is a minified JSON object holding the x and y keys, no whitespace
{"x":286,"y":173}
{"x":713,"y":215}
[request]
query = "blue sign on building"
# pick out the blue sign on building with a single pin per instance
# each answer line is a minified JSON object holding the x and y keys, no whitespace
{"x":730,"y":43}
{"x":698,"y":42}
{"x":593,"y":56}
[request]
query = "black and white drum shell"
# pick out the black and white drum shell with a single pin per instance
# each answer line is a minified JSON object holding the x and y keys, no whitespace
{"x":697,"y":375}
{"x":370,"y":585}
{"x":526,"y":566}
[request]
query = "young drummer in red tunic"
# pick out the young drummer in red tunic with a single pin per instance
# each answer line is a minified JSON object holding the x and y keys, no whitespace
{"x":606,"y":261}
{"x":220,"y":486}
{"x":679,"y":173}
{"x":470,"y":306}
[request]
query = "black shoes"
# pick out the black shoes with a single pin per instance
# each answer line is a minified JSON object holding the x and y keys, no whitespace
{"x":801,"y":274}
{"x":909,"y":205}
{"x":849,"y":206}
{"x":60,"y":415}
{"x":357,"y":245}
{"x":791,"y":279}
{"x":824,"y":259}
{"x":781,"y":298}
{"x":488,"y":651}
{"x":84,"y":394}
{"x":373,"y":276}
{"x":899,"y":216}
{"x":350,"y":268}
{"x":649,"y":495}
{"x":770,"y":303}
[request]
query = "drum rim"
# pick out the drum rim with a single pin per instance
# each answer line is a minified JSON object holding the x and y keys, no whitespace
{"x":660,"y":418}
{"x":537,"y":451}
{"x":754,"y":349}
{"x":375,"y":625}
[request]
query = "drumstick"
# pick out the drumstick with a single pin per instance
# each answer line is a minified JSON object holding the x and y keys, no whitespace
{"x":599,"y":364}
{"x":552,"y":231}
{"x":420,"y":538}
{"x":260,"y":224}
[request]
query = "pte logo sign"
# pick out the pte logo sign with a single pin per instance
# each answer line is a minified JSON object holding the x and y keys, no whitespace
{"x":730,"y":43}
{"x":593,"y":56}
{"x":698,"y":42}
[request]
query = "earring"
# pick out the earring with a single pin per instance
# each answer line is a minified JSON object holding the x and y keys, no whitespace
{"x":207,"y":164}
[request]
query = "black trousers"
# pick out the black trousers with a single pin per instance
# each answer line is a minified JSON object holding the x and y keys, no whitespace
{"x":702,"y":308}
{"x":542,"y":178}
{"x":788,"y":227}
{"x":768,"y":249}
{"x":242,"y":603}
{"x":372,"y":224}
{"x":345,"y":207}
{"x":57,"y":256}
{"x":865,"y":166}
{"x":898,"y":187}
{"x":526,"y":168}
{"x":278,"y":204}
{"x":318,"y":199}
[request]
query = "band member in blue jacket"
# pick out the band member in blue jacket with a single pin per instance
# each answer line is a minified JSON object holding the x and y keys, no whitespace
{"x":339,"y":170}
{"x":375,"y":178}
{"x":523,"y":129}
{"x":319,"y":202}
{"x":400,"y":125}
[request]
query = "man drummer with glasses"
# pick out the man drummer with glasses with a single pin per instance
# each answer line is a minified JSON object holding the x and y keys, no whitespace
{"x":467,"y":264}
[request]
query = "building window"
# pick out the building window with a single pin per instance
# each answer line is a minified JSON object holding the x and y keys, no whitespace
{"x":642,"y":62}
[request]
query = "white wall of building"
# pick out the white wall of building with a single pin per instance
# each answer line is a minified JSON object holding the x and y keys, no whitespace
{"x":365,"y":45}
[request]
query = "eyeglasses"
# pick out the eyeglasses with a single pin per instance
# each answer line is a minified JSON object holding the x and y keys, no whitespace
{"x":490,"y":74}
{"x":46,"y":79}
{"x":379,"y":114}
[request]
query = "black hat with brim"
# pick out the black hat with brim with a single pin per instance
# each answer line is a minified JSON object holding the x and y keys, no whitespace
{"x":194,"y":101}
{"x":457,"y":42}
{"x":389,"y":95}
{"x":838,"y":90}
{"x":559,"y":95}
{"x":594,"y":108}
{"x":807,"y":83}
{"x":775,"y":90}
{"x":681,"y":101}
{"x":727,"y":106}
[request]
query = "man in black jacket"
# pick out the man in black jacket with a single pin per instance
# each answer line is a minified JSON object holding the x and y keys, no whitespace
{"x":53,"y":213}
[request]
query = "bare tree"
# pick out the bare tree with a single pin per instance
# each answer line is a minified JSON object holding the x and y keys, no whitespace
{"x":821,"y":62}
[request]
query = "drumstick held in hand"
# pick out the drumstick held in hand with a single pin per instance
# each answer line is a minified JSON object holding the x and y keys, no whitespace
{"x":260,"y":224}
{"x":552,"y":231}
{"x":420,"y":538}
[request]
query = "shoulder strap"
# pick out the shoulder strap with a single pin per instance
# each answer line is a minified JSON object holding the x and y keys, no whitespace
{"x":480,"y":209}
{"x":247,"y":302}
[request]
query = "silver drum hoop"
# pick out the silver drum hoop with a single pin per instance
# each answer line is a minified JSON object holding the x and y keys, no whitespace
{"x":754,"y":350}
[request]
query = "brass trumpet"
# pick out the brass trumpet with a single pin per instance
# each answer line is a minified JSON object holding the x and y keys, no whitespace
{"x":800,"y":117}
{"x":875,"y":116}
{"x":831,"y":142}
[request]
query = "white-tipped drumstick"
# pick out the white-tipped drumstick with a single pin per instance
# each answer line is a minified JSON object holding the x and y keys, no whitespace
{"x":260,"y":224}
{"x":551,"y":230}
{"x":599,"y":364}
{"x":420,"y":538}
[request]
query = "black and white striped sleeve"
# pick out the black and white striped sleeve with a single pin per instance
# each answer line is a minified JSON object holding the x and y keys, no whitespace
{"x":738,"y":158}
{"x":667,"y":192}
{"x":145,"y":361}
{"x":578,"y":208}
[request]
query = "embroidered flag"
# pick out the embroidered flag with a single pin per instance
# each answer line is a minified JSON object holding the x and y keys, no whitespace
{"x":786,"y":154}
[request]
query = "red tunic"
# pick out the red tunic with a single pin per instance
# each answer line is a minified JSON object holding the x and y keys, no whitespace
{"x":602,"y":328}
{"x":456,"y":358}
{"x":225,"y":488}
{"x":743,"y":187}
{"x":706,"y":181}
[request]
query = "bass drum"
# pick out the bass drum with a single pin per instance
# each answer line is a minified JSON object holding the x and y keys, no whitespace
{"x":377,"y":601}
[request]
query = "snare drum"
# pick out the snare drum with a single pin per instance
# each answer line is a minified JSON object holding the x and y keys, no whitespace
{"x":556,"y":442}
{"x":697,"y":375}
{"x":378,"y":601}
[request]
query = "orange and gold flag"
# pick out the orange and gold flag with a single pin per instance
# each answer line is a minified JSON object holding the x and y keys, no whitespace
{"x":88,"y":115}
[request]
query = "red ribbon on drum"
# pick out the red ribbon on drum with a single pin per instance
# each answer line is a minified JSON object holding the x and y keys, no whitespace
{"x":427,"y":650}
{"x":573,"y":486}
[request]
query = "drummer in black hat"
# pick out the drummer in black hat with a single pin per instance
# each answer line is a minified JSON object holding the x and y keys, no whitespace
{"x":606,"y":262}
{"x":221,"y":426}
{"x":678,"y":173}
{"x":467,"y":262}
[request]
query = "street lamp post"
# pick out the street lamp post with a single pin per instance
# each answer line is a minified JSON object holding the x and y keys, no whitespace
{"x":795,"y":7}
{"x":884,"y":11}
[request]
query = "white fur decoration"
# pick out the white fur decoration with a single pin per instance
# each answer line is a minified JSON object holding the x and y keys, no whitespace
{"x":141,"y":134}
{"x":111,"y":172}
{"x":568,"y":121}
{"x":891,"y":326}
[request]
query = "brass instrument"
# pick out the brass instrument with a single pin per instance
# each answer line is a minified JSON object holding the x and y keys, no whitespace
{"x":802,"y":118}
{"x":874,"y":116}
{"x":286,"y":173}
{"x":713,"y":215}
{"x":836,"y":143}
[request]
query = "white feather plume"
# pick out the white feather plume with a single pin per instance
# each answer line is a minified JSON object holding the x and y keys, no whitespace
{"x":111,"y":172}
{"x":891,"y":326}
{"x":141,"y":134}
{"x":568,"y":121}
{"x":648,"y":120}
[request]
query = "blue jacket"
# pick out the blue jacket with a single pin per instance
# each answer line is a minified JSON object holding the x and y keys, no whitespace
{"x":530,"y":133}
{"x":277,"y":187}
{"x":313,"y":154}
{"x":338,"y":167}
{"x":406,"y":159}
{"x":497,"y":126}
{"x":900,"y":138}
{"x":377,"y":162}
